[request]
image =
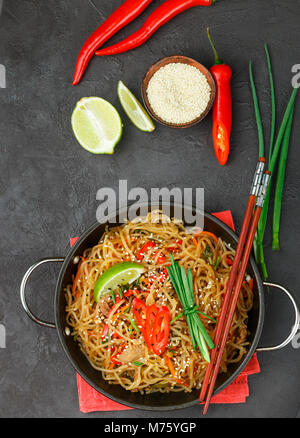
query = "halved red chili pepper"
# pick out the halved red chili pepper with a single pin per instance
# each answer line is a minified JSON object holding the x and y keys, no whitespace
{"x":161,"y":330}
{"x":152,"y":312}
{"x":148,"y":245}
{"x":140,"y":313}
{"x":222,"y":108}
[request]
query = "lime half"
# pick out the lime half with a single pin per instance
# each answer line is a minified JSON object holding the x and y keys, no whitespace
{"x":96,"y":125}
{"x":134,"y":110}
{"x":117,"y":275}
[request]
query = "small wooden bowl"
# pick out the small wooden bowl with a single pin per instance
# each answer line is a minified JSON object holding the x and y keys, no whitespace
{"x":183,"y":60}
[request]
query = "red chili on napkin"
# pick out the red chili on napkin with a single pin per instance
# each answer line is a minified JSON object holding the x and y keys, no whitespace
{"x":90,"y":400}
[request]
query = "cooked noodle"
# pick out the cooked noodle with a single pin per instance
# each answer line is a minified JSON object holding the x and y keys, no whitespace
{"x":140,"y":369}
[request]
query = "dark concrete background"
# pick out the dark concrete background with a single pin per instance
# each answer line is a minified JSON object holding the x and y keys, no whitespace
{"x":48,"y":183}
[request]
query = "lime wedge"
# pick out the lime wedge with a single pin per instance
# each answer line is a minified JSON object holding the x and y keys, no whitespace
{"x":134,"y":109}
{"x":117,"y":275}
{"x":97,"y":125}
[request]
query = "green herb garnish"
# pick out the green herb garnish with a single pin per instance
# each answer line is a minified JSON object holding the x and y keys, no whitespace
{"x":133,"y":325}
{"x":183,"y":285}
{"x":217,"y":263}
{"x":138,"y":364}
{"x":207,"y":254}
{"x":121,"y":293}
{"x":113,"y":296}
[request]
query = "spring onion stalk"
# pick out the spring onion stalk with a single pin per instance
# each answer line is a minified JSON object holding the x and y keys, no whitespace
{"x":264,"y":214}
{"x":273,"y":102}
{"x":280,"y":182}
{"x":183,"y":285}
{"x":261,"y":141}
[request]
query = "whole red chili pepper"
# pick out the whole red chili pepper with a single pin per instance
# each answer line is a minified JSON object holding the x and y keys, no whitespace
{"x":222,"y":108}
{"x":158,"y":18}
{"x":126,"y":13}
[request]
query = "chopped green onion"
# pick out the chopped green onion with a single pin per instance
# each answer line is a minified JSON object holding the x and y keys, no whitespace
{"x":217,"y":263}
{"x":121,"y":293}
{"x":113,"y":296}
{"x":133,"y":325}
{"x":138,"y":364}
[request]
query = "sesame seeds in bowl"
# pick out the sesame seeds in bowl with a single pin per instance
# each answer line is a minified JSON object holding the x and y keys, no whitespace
{"x":178,"y":91}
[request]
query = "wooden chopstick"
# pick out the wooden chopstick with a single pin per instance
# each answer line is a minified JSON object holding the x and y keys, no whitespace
{"x":233,"y":273}
{"x":238,"y":285}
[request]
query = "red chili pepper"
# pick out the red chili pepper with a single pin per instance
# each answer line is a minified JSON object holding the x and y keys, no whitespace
{"x":104,"y":332}
{"x":126,"y":13}
{"x":161,"y":258}
{"x":113,"y":358}
{"x":148,"y":245}
{"x":164,"y":13}
{"x":161,"y":330}
{"x":229,"y":261}
{"x":152,"y":312}
{"x":140,"y":312}
{"x":222,"y":108}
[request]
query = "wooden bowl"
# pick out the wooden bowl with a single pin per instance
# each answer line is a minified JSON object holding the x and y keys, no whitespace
{"x":183,"y":60}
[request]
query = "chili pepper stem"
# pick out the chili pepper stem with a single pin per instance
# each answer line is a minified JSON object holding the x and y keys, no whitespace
{"x":217,"y":59}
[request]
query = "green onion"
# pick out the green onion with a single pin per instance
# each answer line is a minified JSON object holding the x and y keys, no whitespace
{"x":264,"y":214}
{"x":133,"y":325}
{"x":217,"y":263}
{"x":183,"y":285}
{"x":121,"y":293}
{"x":257,"y":114}
{"x":138,"y":364}
{"x":206,"y":316}
{"x":113,"y":296}
{"x":273,"y":102}
{"x":280,"y":182}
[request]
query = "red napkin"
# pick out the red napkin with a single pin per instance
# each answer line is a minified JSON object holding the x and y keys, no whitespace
{"x":90,"y":400}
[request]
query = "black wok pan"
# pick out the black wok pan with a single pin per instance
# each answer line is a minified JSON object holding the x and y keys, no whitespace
{"x":156,"y":401}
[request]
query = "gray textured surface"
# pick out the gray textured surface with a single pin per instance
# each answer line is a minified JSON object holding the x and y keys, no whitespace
{"x":48,"y":183}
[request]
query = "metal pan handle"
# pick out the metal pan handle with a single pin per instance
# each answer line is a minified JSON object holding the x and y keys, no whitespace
{"x":23,"y":287}
{"x":296,"y":324}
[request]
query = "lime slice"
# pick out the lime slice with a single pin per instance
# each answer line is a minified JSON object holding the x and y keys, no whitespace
{"x":96,"y":125}
{"x":117,"y":275}
{"x":134,"y":109}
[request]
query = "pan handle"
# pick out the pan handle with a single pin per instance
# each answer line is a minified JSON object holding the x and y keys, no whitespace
{"x":22,"y":291}
{"x":296,"y":324}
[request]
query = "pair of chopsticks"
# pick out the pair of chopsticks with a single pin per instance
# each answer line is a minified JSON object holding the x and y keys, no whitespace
{"x":255,"y":203}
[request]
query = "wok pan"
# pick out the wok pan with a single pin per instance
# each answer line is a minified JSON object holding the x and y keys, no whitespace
{"x":155,"y":401}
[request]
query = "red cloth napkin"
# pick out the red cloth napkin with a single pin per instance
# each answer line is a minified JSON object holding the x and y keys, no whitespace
{"x":90,"y":400}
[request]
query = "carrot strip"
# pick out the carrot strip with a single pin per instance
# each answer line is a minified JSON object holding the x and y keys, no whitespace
{"x":173,"y":372}
{"x":208,"y":234}
{"x":195,"y":241}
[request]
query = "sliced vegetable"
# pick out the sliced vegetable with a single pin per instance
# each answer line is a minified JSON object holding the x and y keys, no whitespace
{"x":161,"y":330}
{"x":145,"y":248}
{"x":140,"y":312}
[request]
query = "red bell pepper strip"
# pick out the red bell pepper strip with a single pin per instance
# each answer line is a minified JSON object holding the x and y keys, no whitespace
{"x":222,"y":108}
{"x":126,"y":13}
{"x":152,"y":312}
{"x":164,"y":13}
{"x":148,"y":245}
